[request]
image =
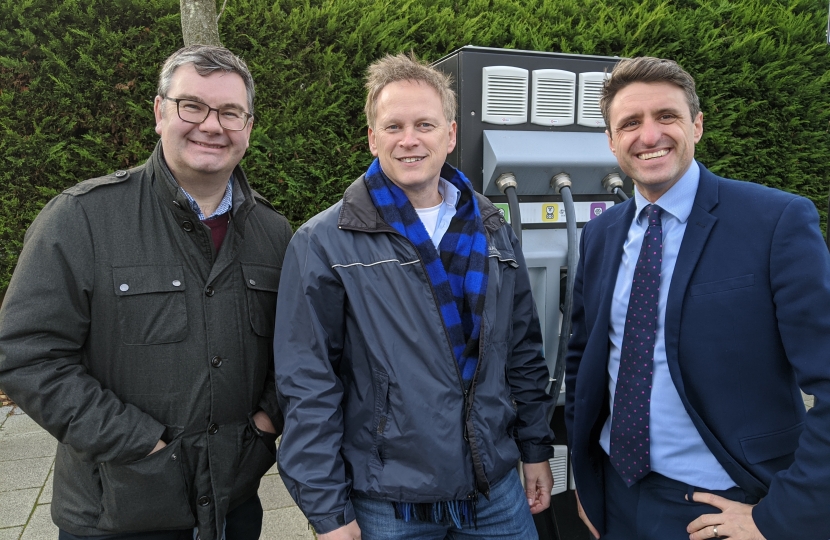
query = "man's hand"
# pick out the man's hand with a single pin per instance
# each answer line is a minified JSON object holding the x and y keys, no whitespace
{"x":734,"y":522}
{"x":159,"y":445}
{"x":346,"y":532}
{"x":538,"y":483}
{"x":263,"y":422}
{"x":584,"y":517}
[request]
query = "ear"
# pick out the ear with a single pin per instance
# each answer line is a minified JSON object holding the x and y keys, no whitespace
{"x":373,"y":147}
{"x":248,"y":130}
{"x":453,"y":134}
{"x":610,"y":142}
{"x":698,"y":126}
{"x":157,"y":104}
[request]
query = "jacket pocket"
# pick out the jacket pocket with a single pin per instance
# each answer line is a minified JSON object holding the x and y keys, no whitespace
{"x":722,"y":285}
{"x":262,"y":282}
{"x":380,"y":382}
{"x":152,"y":308}
{"x":257,"y":454}
{"x":145,"y":495}
{"x":773,"y":445}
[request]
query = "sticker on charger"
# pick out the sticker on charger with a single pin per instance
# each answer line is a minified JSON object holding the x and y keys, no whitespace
{"x":552,"y":212}
{"x":504,"y":210}
{"x":596,"y":210}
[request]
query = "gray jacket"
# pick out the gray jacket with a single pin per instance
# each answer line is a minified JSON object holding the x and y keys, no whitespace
{"x":368,"y":382}
{"x":123,"y":326}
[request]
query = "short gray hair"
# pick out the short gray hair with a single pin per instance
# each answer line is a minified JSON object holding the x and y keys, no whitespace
{"x":206,"y":59}
{"x":401,"y":67}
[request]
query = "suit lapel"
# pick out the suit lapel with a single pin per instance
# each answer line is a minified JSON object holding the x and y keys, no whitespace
{"x":698,"y":228}
{"x":615,"y":237}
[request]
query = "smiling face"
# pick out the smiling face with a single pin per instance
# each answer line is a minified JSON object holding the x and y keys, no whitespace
{"x":411,"y":138}
{"x":653,"y":135}
{"x":198,"y":153}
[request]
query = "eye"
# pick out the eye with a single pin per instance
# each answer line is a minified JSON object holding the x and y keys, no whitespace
{"x":628,"y":126}
{"x":667,"y":117}
{"x":232,"y":114}
{"x":425,"y":126}
{"x":191,"y":106}
{"x":392,"y":128}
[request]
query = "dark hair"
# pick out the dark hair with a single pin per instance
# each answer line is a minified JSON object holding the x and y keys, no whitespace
{"x":647,"y":69}
{"x":206,"y":59}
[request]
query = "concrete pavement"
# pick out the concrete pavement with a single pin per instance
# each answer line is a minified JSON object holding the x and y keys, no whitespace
{"x":27,"y":454}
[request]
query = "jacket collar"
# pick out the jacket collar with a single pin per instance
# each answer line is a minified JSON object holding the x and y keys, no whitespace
{"x":167,"y":189}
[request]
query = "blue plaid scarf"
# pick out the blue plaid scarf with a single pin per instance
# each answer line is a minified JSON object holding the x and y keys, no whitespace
{"x":458,"y":273}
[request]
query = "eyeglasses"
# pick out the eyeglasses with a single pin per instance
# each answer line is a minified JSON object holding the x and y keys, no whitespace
{"x":196,"y":112}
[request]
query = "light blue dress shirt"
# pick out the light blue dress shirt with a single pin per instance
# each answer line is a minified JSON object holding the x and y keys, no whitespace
{"x":677,"y":450}
{"x":450,"y":195}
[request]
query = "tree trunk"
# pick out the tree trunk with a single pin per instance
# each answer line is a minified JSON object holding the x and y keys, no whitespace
{"x":199,"y":24}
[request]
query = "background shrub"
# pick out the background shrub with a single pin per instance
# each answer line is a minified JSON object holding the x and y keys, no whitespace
{"x":77,"y":82}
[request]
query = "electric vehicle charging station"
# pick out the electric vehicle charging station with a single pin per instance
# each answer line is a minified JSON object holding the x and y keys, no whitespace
{"x":531,"y":138}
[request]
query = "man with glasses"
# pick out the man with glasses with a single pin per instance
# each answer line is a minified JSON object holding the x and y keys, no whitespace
{"x":138,"y":326}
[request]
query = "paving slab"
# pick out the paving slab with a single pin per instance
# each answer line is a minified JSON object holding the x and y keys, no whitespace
{"x":16,"y":506}
{"x":4,"y":412}
{"x":24,"y":473}
{"x":285,"y":524}
{"x":40,"y":526}
{"x":18,"y":424}
{"x":273,"y":494}
{"x":273,"y":470}
{"x":12,"y":533}
{"x":27,"y":445}
{"x":46,"y":494}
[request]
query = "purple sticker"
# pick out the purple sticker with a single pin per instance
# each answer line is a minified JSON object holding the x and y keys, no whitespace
{"x":597,"y":208}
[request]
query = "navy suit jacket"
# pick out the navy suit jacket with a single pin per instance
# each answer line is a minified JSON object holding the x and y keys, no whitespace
{"x":747,"y":324}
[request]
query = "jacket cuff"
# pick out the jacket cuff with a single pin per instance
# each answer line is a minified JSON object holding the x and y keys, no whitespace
{"x":334,"y":521}
{"x":766,"y":522}
{"x":535,"y":453}
{"x":269,"y":405}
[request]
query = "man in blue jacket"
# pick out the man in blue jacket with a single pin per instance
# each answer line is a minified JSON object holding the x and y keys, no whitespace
{"x":407,"y":345}
{"x":700,"y":311}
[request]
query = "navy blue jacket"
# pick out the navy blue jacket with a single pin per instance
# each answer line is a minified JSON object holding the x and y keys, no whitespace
{"x":368,"y":382}
{"x":747,"y":324}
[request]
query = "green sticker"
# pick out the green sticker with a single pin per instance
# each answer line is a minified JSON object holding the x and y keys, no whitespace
{"x":504,"y":209}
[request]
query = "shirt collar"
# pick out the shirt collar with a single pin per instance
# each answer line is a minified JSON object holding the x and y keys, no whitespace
{"x":679,"y":199}
{"x":224,"y":205}
{"x":449,"y":192}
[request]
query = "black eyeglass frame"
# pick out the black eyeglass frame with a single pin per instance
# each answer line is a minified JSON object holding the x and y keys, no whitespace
{"x":248,"y":115}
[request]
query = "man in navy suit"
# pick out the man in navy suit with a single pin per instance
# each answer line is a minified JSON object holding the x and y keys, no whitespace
{"x":741,"y":323}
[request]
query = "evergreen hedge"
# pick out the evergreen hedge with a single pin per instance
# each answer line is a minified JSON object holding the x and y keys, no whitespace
{"x":77,"y":82}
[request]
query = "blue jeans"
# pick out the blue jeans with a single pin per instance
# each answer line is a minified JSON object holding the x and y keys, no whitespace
{"x":506,"y":516}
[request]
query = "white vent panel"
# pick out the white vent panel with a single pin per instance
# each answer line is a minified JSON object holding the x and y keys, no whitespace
{"x":559,"y":469}
{"x":504,"y":95}
{"x":590,"y":89}
{"x":553,"y":97}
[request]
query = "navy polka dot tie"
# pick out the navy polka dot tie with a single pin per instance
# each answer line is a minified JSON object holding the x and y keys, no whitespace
{"x":632,"y":397}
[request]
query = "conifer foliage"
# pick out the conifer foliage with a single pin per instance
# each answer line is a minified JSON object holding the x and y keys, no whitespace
{"x":77,"y":81}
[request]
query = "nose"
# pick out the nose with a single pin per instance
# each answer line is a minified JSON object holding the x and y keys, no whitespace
{"x":650,"y":132}
{"x":211,"y":123}
{"x":409,"y":137}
